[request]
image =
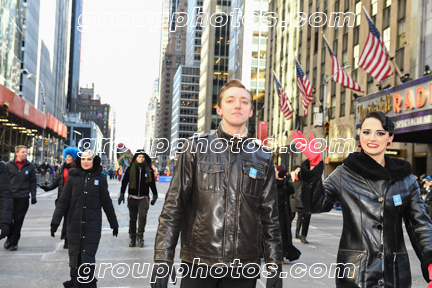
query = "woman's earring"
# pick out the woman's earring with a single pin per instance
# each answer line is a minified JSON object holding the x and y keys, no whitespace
{"x":388,"y":144}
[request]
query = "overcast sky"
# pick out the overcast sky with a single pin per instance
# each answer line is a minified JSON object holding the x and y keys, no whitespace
{"x":121,"y":58}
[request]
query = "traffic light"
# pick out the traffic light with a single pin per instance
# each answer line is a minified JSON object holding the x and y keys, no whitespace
{"x":326,"y":128}
{"x":4,"y":110}
{"x":46,"y":142}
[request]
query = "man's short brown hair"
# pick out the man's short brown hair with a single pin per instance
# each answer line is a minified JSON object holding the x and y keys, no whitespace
{"x":233,"y":83}
{"x":19,"y":147}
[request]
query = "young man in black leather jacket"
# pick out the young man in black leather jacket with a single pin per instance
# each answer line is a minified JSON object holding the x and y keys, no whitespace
{"x":223,"y":200}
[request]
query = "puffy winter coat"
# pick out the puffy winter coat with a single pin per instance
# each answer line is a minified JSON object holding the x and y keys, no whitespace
{"x":223,"y":199}
{"x":83,"y":196}
{"x":374,"y":201}
{"x":6,"y":200}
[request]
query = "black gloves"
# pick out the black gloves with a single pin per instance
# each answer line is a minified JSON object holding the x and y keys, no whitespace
{"x":4,"y":231}
{"x":161,"y":273}
{"x":274,"y":279}
{"x":53,"y":229}
{"x":154,"y":198}
{"x":115,"y":232}
{"x":121,"y":198}
{"x":33,"y":199}
{"x":44,"y":187}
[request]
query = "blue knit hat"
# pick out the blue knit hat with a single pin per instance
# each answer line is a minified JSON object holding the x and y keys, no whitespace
{"x":73,"y":151}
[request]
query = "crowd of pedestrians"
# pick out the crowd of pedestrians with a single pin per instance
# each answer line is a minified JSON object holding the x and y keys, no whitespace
{"x":228,"y":203}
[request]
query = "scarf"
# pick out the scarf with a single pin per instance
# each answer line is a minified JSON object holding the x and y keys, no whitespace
{"x":133,"y":182}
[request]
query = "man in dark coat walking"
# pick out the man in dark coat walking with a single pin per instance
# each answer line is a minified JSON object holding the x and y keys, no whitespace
{"x":84,"y":195}
{"x":6,"y":201}
{"x":140,"y":177}
{"x":22,"y":175}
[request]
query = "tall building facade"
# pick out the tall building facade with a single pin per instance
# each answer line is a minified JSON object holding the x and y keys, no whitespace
{"x":91,"y":109}
{"x":214,"y":62}
{"x":46,"y":54}
{"x":164,"y":35}
{"x":185,"y":104}
{"x":12,"y":18}
{"x":248,"y":53}
{"x":392,"y":18}
{"x":74,"y":58}
{"x":173,"y":58}
{"x":151,"y":119}
{"x":194,"y":33}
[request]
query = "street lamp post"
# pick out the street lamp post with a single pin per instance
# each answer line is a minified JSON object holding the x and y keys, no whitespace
{"x":256,"y":118}
{"x":326,"y":80}
{"x":29,"y":76}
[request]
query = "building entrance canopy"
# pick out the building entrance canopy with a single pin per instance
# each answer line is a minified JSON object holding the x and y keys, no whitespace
{"x":409,"y":105}
{"x":23,"y":124}
{"x":27,"y":112}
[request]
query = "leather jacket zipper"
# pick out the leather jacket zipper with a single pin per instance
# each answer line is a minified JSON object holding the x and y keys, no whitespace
{"x":237,"y":209}
{"x":139,"y":182}
{"x":226,"y":206}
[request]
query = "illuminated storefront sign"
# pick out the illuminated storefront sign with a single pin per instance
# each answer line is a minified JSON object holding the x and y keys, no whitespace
{"x":409,"y":105}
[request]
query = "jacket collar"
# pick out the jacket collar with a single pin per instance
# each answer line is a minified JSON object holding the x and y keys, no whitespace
{"x":363,"y":164}
{"x":221,"y":133}
{"x":95,"y":171}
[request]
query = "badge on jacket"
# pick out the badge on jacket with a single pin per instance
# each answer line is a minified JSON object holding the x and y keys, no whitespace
{"x":96,"y":182}
{"x":397,"y":200}
{"x":252,"y":173}
{"x":26,"y":172}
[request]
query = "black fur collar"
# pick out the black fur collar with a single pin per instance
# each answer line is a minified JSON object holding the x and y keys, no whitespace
{"x":363,"y":164}
{"x":95,"y":171}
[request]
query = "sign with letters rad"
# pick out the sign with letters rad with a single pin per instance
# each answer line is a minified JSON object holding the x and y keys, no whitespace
{"x":409,"y":105}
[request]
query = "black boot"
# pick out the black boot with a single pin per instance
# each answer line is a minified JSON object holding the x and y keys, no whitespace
{"x":297,"y":234}
{"x":65,"y":246}
{"x":140,"y":242}
{"x":132,"y":242}
{"x":7,"y":244}
{"x":67,"y":284}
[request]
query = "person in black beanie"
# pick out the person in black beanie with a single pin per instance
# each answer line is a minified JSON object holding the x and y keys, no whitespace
{"x":6,"y":201}
{"x":69,"y":155}
{"x":140,"y":177}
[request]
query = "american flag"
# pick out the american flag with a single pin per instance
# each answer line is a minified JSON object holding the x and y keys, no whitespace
{"x":341,"y":76}
{"x":374,"y":58}
{"x":283,"y":100}
{"x":98,"y":114}
{"x":304,"y":86}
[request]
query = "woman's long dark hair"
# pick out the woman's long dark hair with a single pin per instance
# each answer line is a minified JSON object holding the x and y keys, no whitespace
{"x":386,"y":122}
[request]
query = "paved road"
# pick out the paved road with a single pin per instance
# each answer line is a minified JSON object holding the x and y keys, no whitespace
{"x":42,"y":262}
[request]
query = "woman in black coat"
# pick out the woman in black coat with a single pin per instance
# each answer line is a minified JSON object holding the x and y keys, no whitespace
{"x":83,"y":196}
{"x":285,"y":189}
{"x":6,"y":201}
{"x":375,"y":193}
{"x":69,"y":155}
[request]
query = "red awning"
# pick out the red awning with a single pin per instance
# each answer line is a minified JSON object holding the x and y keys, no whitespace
{"x":28,"y":112}
{"x":55,"y":125}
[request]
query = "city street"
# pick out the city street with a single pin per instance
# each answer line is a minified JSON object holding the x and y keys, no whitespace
{"x":41,"y":260}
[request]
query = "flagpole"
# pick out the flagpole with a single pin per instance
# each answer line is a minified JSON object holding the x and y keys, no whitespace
{"x":292,"y":107}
